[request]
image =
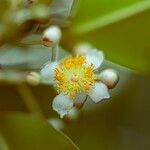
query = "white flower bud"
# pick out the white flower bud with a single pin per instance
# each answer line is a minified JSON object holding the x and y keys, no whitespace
{"x":51,"y":36}
{"x":56,"y":123}
{"x":109,"y":77}
{"x":33,"y":78}
{"x":72,"y":114}
{"x":82,"y":48}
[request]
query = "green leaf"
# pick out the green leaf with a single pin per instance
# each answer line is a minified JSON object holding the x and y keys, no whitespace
{"x":4,"y":4}
{"x":120,"y":123}
{"x":93,"y":15}
{"x":22,"y":131}
{"x":120,"y":28}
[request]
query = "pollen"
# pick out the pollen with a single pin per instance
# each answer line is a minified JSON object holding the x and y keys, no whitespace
{"x":74,"y":75}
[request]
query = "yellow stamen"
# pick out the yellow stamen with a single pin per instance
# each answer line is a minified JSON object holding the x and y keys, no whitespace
{"x":74,"y":75}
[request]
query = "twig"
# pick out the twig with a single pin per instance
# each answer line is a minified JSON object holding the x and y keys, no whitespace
{"x":3,"y":143}
{"x":54,"y":53}
{"x":29,"y":100}
{"x":15,"y":77}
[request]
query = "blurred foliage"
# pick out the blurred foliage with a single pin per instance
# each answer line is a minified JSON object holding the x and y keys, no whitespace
{"x":23,"y":131}
{"x":24,"y":17}
{"x":21,"y":18}
{"x":120,"y":28}
{"x":121,"y":123}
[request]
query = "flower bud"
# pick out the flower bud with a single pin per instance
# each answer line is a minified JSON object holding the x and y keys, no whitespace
{"x":109,"y":77}
{"x":56,"y":123}
{"x":51,"y":36}
{"x":33,"y":78}
{"x":82,"y":48}
{"x":80,"y":100}
{"x":71,"y":115}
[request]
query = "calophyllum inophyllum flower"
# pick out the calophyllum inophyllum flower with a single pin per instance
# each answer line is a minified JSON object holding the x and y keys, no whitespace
{"x":74,"y":79}
{"x":74,"y":76}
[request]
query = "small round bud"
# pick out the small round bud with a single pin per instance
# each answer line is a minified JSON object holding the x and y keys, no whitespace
{"x":78,"y":104}
{"x":82,"y":48}
{"x":71,"y":115}
{"x":51,"y":36}
{"x":109,"y":77}
{"x":33,"y":78}
{"x":80,"y":100}
{"x":56,"y":123}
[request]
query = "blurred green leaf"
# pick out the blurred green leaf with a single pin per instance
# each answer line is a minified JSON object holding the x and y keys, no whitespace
{"x":3,"y":6}
{"x":95,"y":14}
{"x":45,"y":1}
{"x":25,"y":132}
{"x":120,"y":123}
{"x":120,"y":28}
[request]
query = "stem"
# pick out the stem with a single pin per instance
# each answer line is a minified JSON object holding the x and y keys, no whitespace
{"x":54,"y":53}
{"x":3,"y":143}
{"x":69,"y":140}
{"x":7,"y":76}
{"x":29,"y":100}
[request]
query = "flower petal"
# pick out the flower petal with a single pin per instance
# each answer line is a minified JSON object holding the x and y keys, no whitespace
{"x":95,"y":57}
{"x":62,"y":104}
{"x":99,"y":92}
{"x":47,"y":72}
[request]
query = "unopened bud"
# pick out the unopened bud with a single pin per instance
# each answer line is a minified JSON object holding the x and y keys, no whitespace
{"x":80,"y":100}
{"x":109,"y":77}
{"x":51,"y":36}
{"x":82,"y":48}
{"x":56,"y":123}
{"x":72,"y":115}
{"x":33,"y":78}
{"x":78,"y":104}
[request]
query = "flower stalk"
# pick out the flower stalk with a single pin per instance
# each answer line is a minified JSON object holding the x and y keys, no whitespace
{"x":3,"y":143}
{"x":55,"y":51}
{"x":29,"y":100}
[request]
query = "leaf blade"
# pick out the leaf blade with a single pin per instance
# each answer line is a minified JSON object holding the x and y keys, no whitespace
{"x":23,"y":131}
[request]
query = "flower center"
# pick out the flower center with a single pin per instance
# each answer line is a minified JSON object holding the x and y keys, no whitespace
{"x":74,"y":78}
{"x":73,"y":75}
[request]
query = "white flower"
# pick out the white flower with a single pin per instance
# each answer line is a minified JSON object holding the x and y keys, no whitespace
{"x":74,"y":79}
